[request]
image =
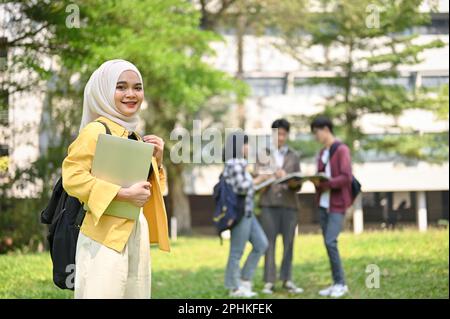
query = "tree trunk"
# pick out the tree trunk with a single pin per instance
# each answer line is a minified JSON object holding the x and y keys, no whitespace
{"x":240,"y":32}
{"x":349,"y":113}
{"x":179,"y":201}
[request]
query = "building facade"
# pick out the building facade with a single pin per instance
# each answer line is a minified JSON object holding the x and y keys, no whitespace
{"x":394,"y":191}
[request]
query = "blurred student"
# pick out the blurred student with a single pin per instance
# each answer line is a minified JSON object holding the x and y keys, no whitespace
{"x":279,"y":205}
{"x":248,"y":228}
{"x":113,"y":254}
{"x":333,"y":197}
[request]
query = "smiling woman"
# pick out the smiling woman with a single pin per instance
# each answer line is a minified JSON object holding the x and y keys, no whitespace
{"x":113,"y":254}
{"x":129,"y":93}
{"x":103,"y":94}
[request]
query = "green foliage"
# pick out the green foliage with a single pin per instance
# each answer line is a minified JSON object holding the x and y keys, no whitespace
{"x":166,"y":43}
{"x":411,"y":146}
{"x":162,"y":38}
{"x":4,"y":162}
{"x":366,"y":72}
{"x":31,"y":40}
{"x":306,"y":147}
{"x":442,"y":105}
{"x":436,"y":100}
{"x":19,"y":224}
{"x":412,"y":265}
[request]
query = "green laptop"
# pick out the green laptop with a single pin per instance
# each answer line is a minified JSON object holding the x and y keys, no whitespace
{"x":122,"y":162}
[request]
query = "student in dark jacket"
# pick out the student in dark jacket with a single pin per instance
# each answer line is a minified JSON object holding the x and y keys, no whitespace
{"x":279,"y":215}
{"x":333,"y":197}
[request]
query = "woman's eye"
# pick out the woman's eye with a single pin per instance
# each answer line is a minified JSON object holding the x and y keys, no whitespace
{"x":120,"y":87}
{"x":138,"y":88}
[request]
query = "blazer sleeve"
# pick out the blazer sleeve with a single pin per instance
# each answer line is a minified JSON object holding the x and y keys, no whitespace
{"x":77,"y":179}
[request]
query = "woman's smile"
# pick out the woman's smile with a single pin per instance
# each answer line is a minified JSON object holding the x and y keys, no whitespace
{"x":130,"y":104}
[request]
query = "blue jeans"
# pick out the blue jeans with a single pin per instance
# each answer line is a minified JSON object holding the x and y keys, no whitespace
{"x":331,"y":224}
{"x":248,"y":229}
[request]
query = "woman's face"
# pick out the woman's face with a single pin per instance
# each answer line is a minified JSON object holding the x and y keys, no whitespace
{"x":129,"y":93}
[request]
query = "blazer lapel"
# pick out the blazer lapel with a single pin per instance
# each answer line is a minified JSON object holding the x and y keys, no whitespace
{"x":286,"y":159}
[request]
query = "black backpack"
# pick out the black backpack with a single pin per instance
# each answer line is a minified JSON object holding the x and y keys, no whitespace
{"x":64,"y":214}
{"x":356,"y":185}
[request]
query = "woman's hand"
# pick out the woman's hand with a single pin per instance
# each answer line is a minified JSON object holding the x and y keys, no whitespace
{"x":137,"y":194}
{"x":159,"y":147}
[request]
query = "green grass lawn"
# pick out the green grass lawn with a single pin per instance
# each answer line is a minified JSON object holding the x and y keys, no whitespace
{"x":412,"y":264}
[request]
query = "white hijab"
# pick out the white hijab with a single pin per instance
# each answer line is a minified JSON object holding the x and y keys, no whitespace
{"x":99,"y":95}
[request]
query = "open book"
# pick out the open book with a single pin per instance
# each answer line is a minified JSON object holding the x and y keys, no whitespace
{"x":294,"y":179}
{"x":264,"y":184}
{"x":300,"y":177}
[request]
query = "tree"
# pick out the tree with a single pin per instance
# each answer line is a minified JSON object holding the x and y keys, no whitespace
{"x":376,"y":39}
{"x":31,"y":34}
{"x":245,"y":17}
{"x":163,"y":39}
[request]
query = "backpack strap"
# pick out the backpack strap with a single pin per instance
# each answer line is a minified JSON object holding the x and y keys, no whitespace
{"x":108,"y":131}
{"x":333,"y":149}
{"x":80,"y":217}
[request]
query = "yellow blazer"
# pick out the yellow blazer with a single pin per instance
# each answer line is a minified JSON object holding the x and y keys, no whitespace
{"x":97,"y":194}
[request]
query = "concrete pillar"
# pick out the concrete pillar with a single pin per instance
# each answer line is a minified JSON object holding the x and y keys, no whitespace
{"x":173,"y":228}
{"x":358,"y":219}
{"x":422,"y":213}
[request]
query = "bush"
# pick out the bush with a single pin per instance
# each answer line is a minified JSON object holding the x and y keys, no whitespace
{"x":4,"y":162}
{"x":20,"y":226}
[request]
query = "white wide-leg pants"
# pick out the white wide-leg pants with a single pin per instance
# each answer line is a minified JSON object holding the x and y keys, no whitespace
{"x":101,"y":272}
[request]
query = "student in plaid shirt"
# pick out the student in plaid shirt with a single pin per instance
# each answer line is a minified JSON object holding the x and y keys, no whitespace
{"x":240,"y":180}
{"x":248,"y":229}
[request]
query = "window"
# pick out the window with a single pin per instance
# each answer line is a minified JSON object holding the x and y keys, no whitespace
{"x":438,"y":25}
{"x":434,"y":81}
{"x":266,"y":86}
{"x":4,"y":150}
{"x":302,"y":87}
{"x":406,"y":81}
